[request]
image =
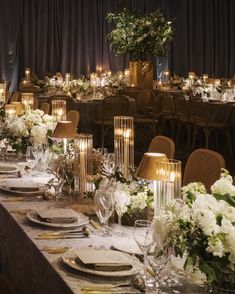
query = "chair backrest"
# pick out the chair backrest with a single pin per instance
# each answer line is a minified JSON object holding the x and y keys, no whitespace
{"x":167,"y":104}
{"x":74,"y":116}
{"x":181,"y":107}
{"x":69,"y":100}
{"x":45,"y":107}
{"x":114,"y":106}
{"x":162,"y":144}
{"x":142,"y":101}
{"x":203,"y":166}
{"x":15,"y":97}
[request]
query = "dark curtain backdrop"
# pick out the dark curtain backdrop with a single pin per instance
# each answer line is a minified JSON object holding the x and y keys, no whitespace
{"x":70,"y":36}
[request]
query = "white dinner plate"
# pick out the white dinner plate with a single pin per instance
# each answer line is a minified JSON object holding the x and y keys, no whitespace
{"x":6,"y":168}
{"x":28,"y":188}
{"x":81,"y":221}
{"x":128,"y":246}
{"x":69,"y":258}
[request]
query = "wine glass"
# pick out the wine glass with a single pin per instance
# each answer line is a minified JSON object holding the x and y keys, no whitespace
{"x":143,"y":235}
{"x":30,"y":158}
{"x":103,"y":205}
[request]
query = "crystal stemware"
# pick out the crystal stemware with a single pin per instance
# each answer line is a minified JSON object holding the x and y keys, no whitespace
{"x":30,"y":158}
{"x":143,"y":235}
{"x":103,"y":205}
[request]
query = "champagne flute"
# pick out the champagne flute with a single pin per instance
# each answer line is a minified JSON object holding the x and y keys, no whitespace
{"x":103,"y":205}
{"x":143,"y":235}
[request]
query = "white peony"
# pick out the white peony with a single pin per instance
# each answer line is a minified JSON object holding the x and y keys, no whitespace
{"x":206,"y":219}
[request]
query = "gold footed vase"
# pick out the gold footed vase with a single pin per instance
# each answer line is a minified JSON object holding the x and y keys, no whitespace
{"x":141,"y":74}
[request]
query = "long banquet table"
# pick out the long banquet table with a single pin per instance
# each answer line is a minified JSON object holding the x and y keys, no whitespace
{"x":32,"y":270}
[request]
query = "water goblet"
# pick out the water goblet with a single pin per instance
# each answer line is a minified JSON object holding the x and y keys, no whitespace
{"x":103,"y":205}
{"x":143,"y":235}
{"x":30,"y":158}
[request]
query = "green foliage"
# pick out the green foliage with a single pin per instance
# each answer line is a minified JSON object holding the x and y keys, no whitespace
{"x":142,"y":36}
{"x":227,"y":198}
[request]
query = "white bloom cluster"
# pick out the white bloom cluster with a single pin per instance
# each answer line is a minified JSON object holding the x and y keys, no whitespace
{"x":210,"y":218}
{"x":33,"y":125}
{"x":126,"y":195}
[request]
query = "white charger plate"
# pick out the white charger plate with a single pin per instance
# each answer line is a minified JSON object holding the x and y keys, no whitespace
{"x":69,"y":258}
{"x":82,"y":220}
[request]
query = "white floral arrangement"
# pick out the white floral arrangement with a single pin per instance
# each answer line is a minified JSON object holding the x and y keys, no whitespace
{"x":200,"y":228}
{"x":80,"y":87}
{"x":129,"y":196}
{"x":31,"y":128}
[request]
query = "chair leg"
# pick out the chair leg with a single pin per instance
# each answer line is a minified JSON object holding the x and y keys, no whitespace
{"x":188,"y":136}
{"x":194,"y":137}
{"x":178,"y":133}
{"x":102,"y":137}
{"x":228,"y":136}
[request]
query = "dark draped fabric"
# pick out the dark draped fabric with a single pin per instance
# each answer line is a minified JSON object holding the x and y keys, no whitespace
{"x":70,"y":36}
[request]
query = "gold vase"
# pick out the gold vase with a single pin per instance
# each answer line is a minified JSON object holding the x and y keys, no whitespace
{"x":141,"y":74}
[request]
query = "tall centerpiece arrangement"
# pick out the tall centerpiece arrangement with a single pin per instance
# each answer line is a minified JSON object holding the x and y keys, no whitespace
{"x":142,"y":37}
{"x":200,"y":228}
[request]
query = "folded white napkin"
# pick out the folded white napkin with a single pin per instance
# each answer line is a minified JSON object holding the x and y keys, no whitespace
{"x":103,"y":260}
{"x":58,"y":215}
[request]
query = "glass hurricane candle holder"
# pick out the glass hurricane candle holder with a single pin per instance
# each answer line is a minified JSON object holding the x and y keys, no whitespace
{"x":27,"y":99}
{"x":124,"y":144}
{"x":83,"y":145}
{"x":10,"y":110}
{"x":58,"y":110}
{"x":168,"y":176}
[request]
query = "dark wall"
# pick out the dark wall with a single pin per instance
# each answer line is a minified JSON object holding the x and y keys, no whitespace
{"x":69,"y":36}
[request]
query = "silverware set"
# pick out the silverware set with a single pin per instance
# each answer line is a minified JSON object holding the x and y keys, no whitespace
{"x":83,"y":232}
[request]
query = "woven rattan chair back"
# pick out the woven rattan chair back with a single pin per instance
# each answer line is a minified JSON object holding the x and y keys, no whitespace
{"x":203,"y":166}
{"x":45,"y":107}
{"x":142,"y":101}
{"x":162,"y":144}
{"x":114,"y":106}
{"x":74,"y":116}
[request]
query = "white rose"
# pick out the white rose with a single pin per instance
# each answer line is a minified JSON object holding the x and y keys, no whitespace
{"x":229,"y":212}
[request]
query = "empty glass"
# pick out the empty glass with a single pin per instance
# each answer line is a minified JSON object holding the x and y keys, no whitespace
{"x":143,"y":235}
{"x":30,"y":157}
{"x":103,"y":205}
